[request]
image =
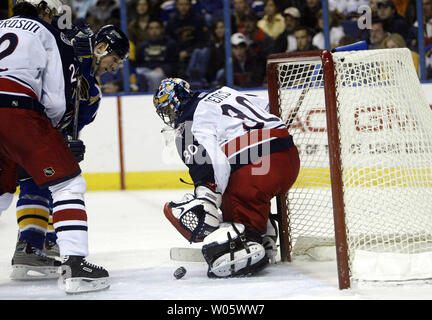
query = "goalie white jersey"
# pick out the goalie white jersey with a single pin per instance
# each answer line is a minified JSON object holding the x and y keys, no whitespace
{"x":36,"y":61}
{"x":222,"y":130}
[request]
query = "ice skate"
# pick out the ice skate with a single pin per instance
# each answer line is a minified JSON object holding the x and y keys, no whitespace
{"x":29,"y":263}
{"x":80,"y":276}
{"x":51,"y":249}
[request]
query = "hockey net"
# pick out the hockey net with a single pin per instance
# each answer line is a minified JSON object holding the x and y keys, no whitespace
{"x":363,"y":128}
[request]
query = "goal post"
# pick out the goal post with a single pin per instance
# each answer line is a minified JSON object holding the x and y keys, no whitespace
{"x":364,"y":132}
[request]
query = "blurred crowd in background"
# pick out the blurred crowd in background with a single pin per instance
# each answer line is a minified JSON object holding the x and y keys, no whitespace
{"x":186,"y":38}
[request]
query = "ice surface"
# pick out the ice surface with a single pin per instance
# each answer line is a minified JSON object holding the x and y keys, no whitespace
{"x":131,"y":238}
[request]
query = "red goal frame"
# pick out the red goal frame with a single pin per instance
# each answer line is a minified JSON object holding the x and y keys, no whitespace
{"x":327,"y":64}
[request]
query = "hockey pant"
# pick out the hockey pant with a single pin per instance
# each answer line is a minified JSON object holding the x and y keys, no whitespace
{"x":30,"y":141}
{"x":247,"y":198}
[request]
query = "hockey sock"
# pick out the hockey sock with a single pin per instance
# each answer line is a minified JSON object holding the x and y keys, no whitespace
{"x":32,"y":217}
{"x":70,"y":217}
{"x":70,"y":224}
{"x":51,"y":235}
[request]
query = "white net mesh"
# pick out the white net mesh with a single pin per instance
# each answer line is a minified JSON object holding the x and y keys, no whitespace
{"x":386,"y":153}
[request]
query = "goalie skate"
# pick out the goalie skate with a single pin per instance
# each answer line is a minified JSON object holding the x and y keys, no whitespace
{"x":229,"y":253}
{"x":79,"y":276}
{"x":29,"y":263}
{"x":242,"y":264}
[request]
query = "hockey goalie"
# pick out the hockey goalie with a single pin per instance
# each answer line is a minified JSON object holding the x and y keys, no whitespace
{"x":239,"y":157}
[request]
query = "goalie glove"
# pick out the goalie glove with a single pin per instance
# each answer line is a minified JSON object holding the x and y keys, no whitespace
{"x":195,"y":218}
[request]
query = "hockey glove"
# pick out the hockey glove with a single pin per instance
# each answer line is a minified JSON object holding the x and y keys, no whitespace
{"x":78,"y":148}
{"x":194,"y":218}
{"x":83,"y":42}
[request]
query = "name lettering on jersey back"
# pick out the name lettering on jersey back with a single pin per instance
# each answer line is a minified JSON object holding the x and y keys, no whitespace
{"x":23,"y":24}
{"x":217,"y":97}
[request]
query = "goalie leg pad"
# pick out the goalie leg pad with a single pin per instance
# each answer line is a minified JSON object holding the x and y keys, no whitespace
{"x":194,"y":219}
{"x":229,"y":253}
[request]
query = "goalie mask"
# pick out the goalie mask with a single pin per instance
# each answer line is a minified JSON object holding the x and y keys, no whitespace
{"x":170,"y":98}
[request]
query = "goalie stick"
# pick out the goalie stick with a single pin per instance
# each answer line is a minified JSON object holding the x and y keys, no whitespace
{"x":190,"y":254}
{"x":186,"y":254}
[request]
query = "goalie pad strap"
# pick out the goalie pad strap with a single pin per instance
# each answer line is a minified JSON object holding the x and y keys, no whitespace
{"x":232,"y":247}
{"x":243,"y":240}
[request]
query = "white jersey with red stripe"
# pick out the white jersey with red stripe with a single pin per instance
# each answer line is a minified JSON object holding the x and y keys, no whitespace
{"x":36,"y":60}
{"x":220,"y":131}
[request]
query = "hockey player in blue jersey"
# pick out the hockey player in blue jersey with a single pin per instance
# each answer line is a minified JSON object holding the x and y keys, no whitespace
{"x":37,"y":237}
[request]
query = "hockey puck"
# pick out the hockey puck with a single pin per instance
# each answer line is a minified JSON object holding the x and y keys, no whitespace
{"x":179,"y":273}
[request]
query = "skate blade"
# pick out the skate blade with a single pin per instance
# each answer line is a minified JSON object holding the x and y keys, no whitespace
{"x":24,"y":272}
{"x":82,"y":285}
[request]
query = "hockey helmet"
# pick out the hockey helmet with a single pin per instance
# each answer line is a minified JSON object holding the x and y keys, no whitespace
{"x":51,"y":4}
{"x":116,"y":40}
{"x":169,"y":99}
